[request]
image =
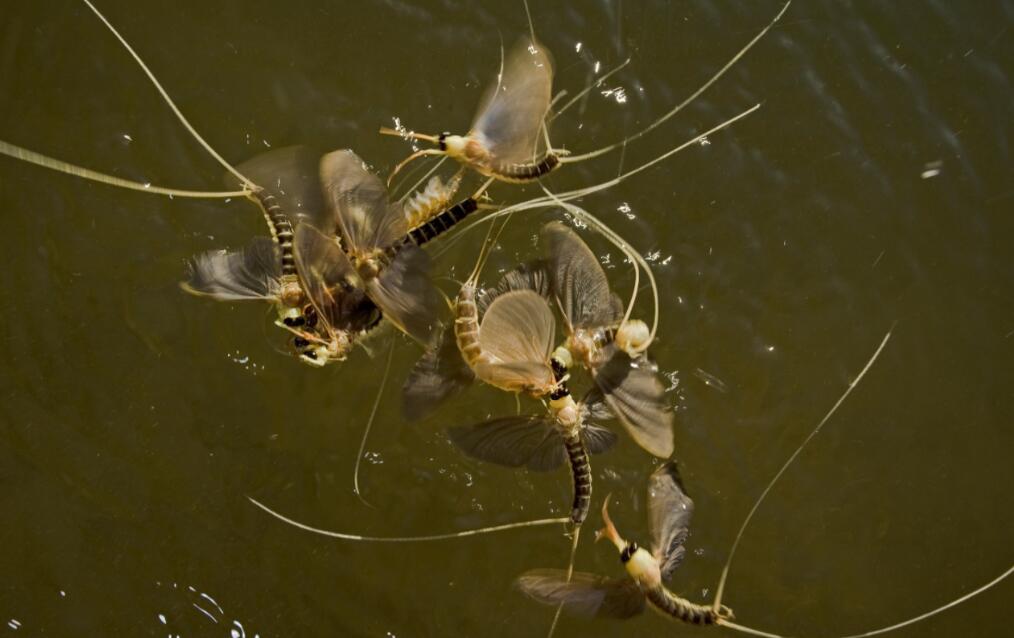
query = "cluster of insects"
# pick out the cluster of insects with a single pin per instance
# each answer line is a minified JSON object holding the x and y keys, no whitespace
{"x":344,"y":257}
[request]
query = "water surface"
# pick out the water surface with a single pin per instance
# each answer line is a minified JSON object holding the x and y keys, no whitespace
{"x":872,"y":189}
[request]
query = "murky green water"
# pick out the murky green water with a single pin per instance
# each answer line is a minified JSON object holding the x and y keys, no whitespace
{"x":873,"y":188}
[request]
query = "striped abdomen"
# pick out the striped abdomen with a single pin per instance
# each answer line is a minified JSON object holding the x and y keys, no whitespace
{"x":442,"y":222}
{"x":525,"y":172}
{"x":434,"y":198}
{"x":466,"y":327}
{"x":580,"y":472}
{"x":280,"y":227}
{"x":680,"y":608}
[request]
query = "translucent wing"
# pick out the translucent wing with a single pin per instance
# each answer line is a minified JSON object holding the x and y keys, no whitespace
{"x":670,"y":510}
{"x":526,"y":376}
{"x":578,"y":280}
{"x":518,"y":327}
{"x":405,"y":294}
{"x":585,"y":594}
{"x":292,"y":176}
{"x":513,"y":441}
{"x":439,"y":374}
{"x":325,"y":273}
{"x":636,"y":397}
{"x":597,"y":438}
{"x":509,"y":124}
{"x":359,"y":202}
{"x":251,"y":273}
{"x":528,"y":276}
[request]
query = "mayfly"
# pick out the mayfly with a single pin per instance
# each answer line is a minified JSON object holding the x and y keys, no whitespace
{"x":380,"y":252}
{"x":505,"y":138}
{"x":602,"y":341}
{"x":670,"y":510}
{"x":509,"y":139}
{"x":291,"y":270}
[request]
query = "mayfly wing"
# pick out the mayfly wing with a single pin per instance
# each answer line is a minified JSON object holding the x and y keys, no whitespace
{"x":597,"y":439}
{"x":527,"y":276}
{"x":358,"y":199}
{"x":509,"y":123}
{"x":251,"y":273}
{"x":583,"y":594}
{"x":578,"y":280}
{"x":518,"y":327}
{"x":526,"y":376}
{"x":670,"y":511}
{"x":513,"y":441}
{"x":324,"y":272}
{"x":406,"y":295}
{"x":637,"y":399}
{"x":440,"y":373}
{"x":292,"y":175}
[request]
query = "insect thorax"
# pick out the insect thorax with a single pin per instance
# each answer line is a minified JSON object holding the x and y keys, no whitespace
{"x":291,"y":294}
{"x":642,"y":567}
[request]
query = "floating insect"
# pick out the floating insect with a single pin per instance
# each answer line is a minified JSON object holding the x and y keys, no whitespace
{"x":543,"y":442}
{"x":324,"y":314}
{"x":504,"y":141}
{"x":601,"y":340}
{"x":670,"y":510}
{"x":380,"y":252}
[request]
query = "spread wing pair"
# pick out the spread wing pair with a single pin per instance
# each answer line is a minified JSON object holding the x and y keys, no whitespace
{"x":591,"y":313}
{"x":290,"y":176}
{"x":669,"y":513}
{"x":532,"y":441}
{"x":376,"y":258}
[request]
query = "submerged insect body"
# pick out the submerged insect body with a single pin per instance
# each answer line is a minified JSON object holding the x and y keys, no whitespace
{"x":670,"y":510}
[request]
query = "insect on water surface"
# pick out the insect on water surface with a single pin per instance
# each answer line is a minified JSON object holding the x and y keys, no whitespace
{"x":505,"y":139}
{"x":669,"y":510}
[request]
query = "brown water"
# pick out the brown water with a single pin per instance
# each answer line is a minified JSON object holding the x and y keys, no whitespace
{"x":872,"y":189}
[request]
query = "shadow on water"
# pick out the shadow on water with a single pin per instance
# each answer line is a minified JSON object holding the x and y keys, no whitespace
{"x":872,"y":187}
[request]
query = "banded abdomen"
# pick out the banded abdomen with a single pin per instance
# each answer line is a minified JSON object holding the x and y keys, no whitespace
{"x":281,"y":229}
{"x":672,"y":605}
{"x":580,"y":473}
{"x":520,"y":172}
{"x":466,"y":327}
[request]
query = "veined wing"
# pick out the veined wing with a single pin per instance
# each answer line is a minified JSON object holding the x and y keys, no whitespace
{"x":670,"y":511}
{"x":325,"y":274}
{"x":439,"y":373}
{"x":585,"y":594}
{"x":405,"y":294}
{"x":526,"y":376}
{"x":637,"y":399}
{"x":518,"y":328}
{"x":532,"y":276}
{"x":513,"y":441}
{"x":292,"y":176}
{"x":597,"y":438}
{"x":509,"y":123}
{"x":578,"y":280}
{"x":357,"y":198}
{"x":251,"y":273}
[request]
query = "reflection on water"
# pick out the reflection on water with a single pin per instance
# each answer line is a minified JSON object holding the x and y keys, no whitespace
{"x":870,"y":188}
